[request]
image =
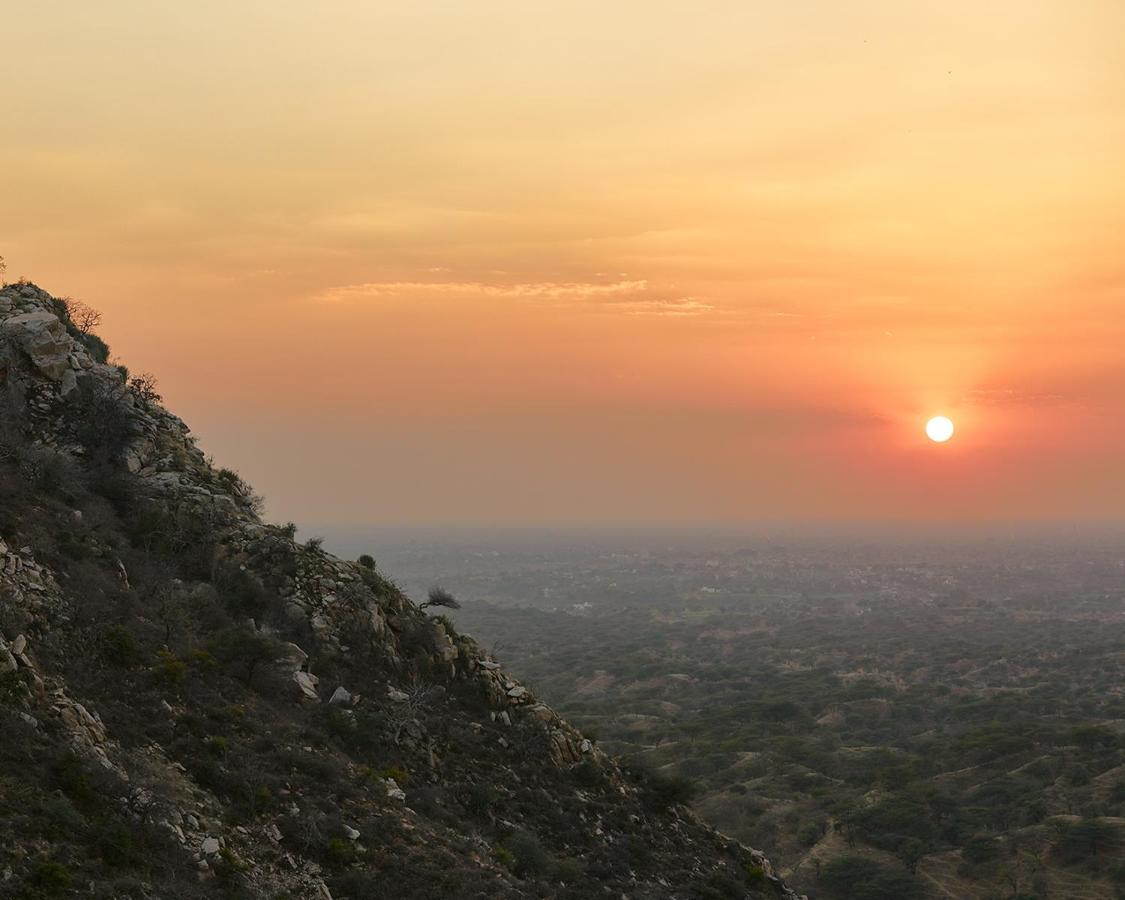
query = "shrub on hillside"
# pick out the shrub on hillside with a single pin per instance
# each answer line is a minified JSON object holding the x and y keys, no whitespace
{"x":856,"y":877}
{"x":120,"y":647}
{"x":660,"y":791}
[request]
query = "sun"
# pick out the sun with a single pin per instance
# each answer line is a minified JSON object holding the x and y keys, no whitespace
{"x":939,"y":429}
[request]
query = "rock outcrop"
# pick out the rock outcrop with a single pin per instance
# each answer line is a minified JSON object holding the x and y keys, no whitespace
{"x":262,"y":717}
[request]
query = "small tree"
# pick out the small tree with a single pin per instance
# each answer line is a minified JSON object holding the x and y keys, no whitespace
{"x":144,"y":386}
{"x":367,"y":561}
{"x":440,"y":597}
{"x":84,"y":316}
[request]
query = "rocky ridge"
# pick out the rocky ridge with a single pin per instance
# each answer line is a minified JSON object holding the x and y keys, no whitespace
{"x":322,"y":665}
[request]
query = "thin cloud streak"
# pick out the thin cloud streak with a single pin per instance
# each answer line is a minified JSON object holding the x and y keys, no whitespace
{"x":625,"y":296}
{"x":550,"y":290}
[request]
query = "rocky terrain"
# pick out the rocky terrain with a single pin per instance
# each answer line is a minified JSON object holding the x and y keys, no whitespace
{"x":193,"y":704}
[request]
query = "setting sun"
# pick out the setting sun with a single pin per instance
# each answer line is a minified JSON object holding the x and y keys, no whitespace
{"x":939,"y":429}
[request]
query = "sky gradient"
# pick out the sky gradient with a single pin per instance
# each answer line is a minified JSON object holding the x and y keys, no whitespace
{"x":519,"y":261}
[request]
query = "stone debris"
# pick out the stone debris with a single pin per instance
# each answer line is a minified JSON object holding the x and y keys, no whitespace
{"x":394,"y":791}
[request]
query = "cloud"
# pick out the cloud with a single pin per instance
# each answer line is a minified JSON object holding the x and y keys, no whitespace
{"x":632,"y":297}
{"x":1012,"y":397}
{"x":551,"y":290}
{"x":684,"y":306}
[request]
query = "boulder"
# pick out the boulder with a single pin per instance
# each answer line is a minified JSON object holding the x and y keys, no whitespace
{"x":394,"y":791}
{"x":563,"y":751}
{"x":307,"y":682}
{"x":292,"y":658}
{"x":43,"y":338}
{"x":340,"y":697}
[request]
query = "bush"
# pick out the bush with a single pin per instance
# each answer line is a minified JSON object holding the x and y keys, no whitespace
{"x":117,"y":846}
{"x":13,"y":688}
{"x":567,"y":870}
{"x":980,"y":849}
{"x":49,"y":879}
{"x":339,"y":853}
{"x":244,"y":650}
{"x":101,"y":421}
{"x":120,"y":647}
{"x":478,"y":799}
{"x":531,"y":860}
{"x":440,"y":597}
{"x":48,"y":470}
{"x":856,"y":877}
{"x":96,"y":347}
{"x":660,"y":792}
{"x":56,"y":818}
{"x":169,"y":669}
{"x":810,"y":833}
{"x":505,"y":857}
{"x":755,"y":875}
{"x":401,"y":776}
{"x":233,"y":484}
{"x":228,"y":867}
{"x":243,"y":593}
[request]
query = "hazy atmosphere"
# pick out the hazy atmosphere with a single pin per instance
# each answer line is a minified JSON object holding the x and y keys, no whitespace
{"x":510,"y":450}
{"x":640,"y":261}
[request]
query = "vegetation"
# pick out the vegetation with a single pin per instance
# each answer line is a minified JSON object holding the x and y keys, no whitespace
{"x":971,"y":745}
{"x":440,"y":597}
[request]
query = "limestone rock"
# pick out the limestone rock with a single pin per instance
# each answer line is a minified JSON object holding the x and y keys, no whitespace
{"x":43,"y":338}
{"x":292,"y":658}
{"x":394,"y":791}
{"x":307,"y":682}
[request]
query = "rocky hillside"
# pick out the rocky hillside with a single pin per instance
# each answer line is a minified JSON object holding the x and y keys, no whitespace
{"x":193,"y":704}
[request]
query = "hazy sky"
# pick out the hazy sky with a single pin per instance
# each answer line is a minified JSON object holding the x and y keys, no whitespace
{"x":505,"y":261}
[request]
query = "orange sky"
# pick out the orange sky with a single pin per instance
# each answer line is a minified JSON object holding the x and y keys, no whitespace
{"x":509,"y":261}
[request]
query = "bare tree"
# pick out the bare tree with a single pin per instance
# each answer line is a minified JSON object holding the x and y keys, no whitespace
{"x":84,"y":316}
{"x":405,"y":712}
{"x":144,"y":386}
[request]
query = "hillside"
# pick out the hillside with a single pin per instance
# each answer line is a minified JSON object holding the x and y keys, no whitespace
{"x":193,"y":704}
